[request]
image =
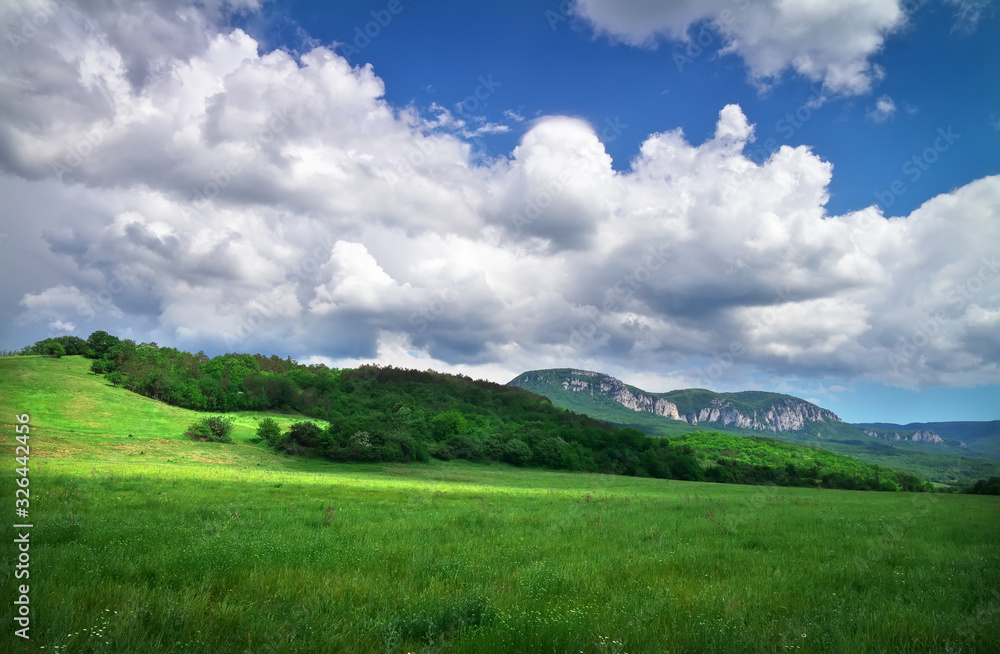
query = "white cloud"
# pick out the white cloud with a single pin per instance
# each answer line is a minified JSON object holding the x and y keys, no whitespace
{"x":339,"y":226}
{"x":968,"y":13}
{"x":826,"y":40}
{"x":883,"y":110}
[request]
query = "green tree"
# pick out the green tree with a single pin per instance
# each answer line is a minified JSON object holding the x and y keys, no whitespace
{"x":306,"y":434}
{"x":214,"y":428}
{"x":449,"y":423}
{"x":100,"y":343}
{"x":52,"y":348}
{"x":269,"y":430}
{"x":517,"y":452}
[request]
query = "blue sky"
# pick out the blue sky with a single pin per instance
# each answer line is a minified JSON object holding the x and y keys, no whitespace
{"x":802,"y":197}
{"x":939,"y":73}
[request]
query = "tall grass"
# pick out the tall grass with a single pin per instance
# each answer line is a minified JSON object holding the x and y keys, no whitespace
{"x":205,"y":547}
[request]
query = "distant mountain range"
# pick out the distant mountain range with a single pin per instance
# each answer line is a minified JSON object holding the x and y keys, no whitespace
{"x":978,"y":437}
{"x":947,"y":452}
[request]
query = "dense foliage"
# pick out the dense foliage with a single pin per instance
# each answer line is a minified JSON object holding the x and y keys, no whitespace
{"x":57,"y":347}
{"x":755,"y":460}
{"x":386,"y":414}
{"x":377,"y":413}
{"x":216,"y":429}
{"x":989,"y":486}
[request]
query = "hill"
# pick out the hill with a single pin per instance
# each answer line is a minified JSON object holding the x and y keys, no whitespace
{"x":146,"y":541}
{"x":389,"y":414}
{"x":980,"y":438}
{"x":759,"y":413}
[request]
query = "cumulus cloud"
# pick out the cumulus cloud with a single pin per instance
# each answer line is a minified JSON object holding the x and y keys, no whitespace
{"x":222,"y":198}
{"x":830,"y":41}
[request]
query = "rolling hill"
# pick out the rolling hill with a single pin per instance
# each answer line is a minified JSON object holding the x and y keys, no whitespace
{"x":147,"y":541}
{"x":939,"y":457}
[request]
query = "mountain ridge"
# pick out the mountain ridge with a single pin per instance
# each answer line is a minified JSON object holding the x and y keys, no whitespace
{"x":754,"y":410}
{"x":940,"y":457}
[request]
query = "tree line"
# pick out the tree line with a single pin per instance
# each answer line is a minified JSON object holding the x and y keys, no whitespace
{"x":374,"y":413}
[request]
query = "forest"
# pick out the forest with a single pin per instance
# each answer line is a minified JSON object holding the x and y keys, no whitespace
{"x":374,"y":413}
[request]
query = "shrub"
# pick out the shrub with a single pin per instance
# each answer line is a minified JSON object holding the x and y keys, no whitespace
{"x":306,"y":434}
{"x":269,"y":431}
{"x":448,"y":424}
{"x":989,"y":486}
{"x":102,"y":366}
{"x":551,"y":453}
{"x":214,"y":429}
{"x":52,"y":348}
{"x":517,"y":452}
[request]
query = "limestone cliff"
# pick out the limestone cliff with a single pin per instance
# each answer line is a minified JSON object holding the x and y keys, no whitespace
{"x":919,"y":436}
{"x":780,"y":413}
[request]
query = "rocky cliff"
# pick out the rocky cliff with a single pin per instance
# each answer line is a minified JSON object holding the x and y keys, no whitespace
{"x":919,"y":436}
{"x":597,"y":383}
{"x":781,"y":413}
{"x":784,"y":415}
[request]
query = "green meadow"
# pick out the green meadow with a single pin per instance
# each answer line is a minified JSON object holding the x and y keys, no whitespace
{"x":145,"y":541}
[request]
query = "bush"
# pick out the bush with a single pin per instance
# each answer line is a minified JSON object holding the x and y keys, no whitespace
{"x":52,"y":348}
{"x":306,"y":434}
{"x":450,"y":423}
{"x":551,"y":453}
{"x":517,"y":452}
{"x":269,"y":431}
{"x":215,"y":429}
{"x":989,"y":486}
{"x":102,"y":366}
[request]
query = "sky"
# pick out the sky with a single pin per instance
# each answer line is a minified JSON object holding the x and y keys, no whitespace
{"x":801,"y":197}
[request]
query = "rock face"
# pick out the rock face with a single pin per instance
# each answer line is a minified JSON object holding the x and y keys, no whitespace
{"x":619,"y":392}
{"x":920,"y":436}
{"x":784,"y":414}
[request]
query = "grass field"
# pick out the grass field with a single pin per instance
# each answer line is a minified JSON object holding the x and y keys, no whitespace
{"x":147,"y":542}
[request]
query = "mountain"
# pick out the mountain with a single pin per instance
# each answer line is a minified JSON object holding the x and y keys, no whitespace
{"x":747,"y":410}
{"x":920,"y":449}
{"x":978,"y":437}
{"x":916,"y":435}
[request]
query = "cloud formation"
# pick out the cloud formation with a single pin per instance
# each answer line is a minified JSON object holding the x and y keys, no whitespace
{"x":831,"y":41}
{"x":201,"y":193}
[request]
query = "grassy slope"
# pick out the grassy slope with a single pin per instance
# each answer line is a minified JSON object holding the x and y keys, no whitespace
{"x":157,"y":544}
{"x":925,"y":460}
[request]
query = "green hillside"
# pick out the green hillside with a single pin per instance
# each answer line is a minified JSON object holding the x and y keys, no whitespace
{"x":950,"y":465}
{"x":144,"y":541}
